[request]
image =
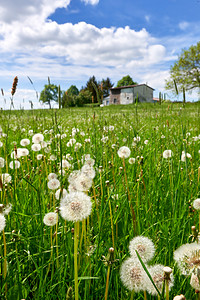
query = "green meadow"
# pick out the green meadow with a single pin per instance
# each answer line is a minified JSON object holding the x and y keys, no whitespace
{"x":145,"y":194}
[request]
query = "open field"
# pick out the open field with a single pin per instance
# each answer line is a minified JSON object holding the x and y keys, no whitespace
{"x":148,"y":195}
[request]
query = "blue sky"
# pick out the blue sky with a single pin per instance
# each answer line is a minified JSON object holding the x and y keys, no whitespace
{"x":71,"y":40}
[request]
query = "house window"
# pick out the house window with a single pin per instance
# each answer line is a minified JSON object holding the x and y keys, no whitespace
{"x":115,"y":101}
{"x":127,"y":97}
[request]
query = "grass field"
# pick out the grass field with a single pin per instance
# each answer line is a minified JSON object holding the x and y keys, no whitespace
{"x":148,"y":195}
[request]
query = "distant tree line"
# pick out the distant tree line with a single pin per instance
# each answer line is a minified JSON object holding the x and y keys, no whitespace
{"x":93,"y":92}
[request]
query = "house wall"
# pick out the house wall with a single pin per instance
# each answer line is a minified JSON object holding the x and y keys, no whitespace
{"x":115,"y":97}
{"x":126,"y":96}
{"x":145,"y":94}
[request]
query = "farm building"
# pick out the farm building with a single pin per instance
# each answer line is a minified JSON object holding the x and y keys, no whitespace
{"x":128,"y":94}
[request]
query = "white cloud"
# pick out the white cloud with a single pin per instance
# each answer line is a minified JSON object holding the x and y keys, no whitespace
{"x":183,"y":25}
{"x":92,"y":2}
{"x":35,"y":46}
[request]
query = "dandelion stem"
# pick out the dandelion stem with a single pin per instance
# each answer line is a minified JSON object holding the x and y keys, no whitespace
{"x":5,"y":259}
{"x":145,"y":295}
{"x":75,"y":259}
{"x":132,"y":294}
{"x":107,"y":282}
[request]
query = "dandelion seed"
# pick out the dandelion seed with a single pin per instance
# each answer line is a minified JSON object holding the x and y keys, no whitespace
{"x":75,"y":206}
{"x":124,"y":152}
{"x":50,"y":219}
{"x":133,"y":276}
{"x":144,"y":247}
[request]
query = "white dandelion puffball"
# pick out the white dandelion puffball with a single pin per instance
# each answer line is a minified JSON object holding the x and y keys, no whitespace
{"x":167,"y":153}
{"x":2,"y":162}
{"x":1,"y":144}
{"x":194,"y":282}
{"x":6,"y":178}
{"x":133,"y":275}
{"x":52,"y":157}
{"x":16,"y":154}
{"x":14,"y":164}
{"x":144,"y":247}
{"x":36,"y":147}
{"x":59,"y":192}
{"x":43,"y":144}
{"x":37,"y":138}
{"x":39,"y":156}
{"x":24,"y":142}
{"x":131,"y":160}
{"x":124,"y":152}
{"x":23,"y":151}
{"x":82,"y":182}
{"x":157,"y":274}
{"x":2,"y":222}
{"x":53,"y":184}
{"x":187,"y":258}
{"x":65,"y":164}
{"x":7,"y":209}
{"x":50,"y":219}
{"x":75,"y":206}
{"x":88,"y":171}
{"x":52,"y":176}
{"x":184,"y":156}
{"x":196,"y":204}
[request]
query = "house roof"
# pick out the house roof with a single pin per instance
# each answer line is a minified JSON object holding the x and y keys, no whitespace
{"x":130,"y":86}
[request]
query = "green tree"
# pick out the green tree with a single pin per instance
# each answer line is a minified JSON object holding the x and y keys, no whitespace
{"x":68,"y":100}
{"x":93,"y":87}
{"x":126,"y":80}
{"x":106,"y":85}
{"x":185,"y":73}
{"x":49,"y":93}
{"x":84,"y":97}
{"x":73,"y":91}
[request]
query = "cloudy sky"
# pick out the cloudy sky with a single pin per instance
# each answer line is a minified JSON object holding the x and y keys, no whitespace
{"x":71,"y":40}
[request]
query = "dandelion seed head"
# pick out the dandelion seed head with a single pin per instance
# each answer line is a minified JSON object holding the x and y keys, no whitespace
{"x":194,"y":282}
{"x":2,"y":162}
{"x":167,"y":153}
{"x":50,"y":219}
{"x":144,"y":247}
{"x":124,"y":152}
{"x":52,"y":176}
{"x":36,"y":147}
{"x":196,"y":204}
{"x":38,"y":138}
{"x":2,"y":222}
{"x":133,"y":276}
{"x":53,"y":184}
{"x":14,"y":164}
{"x":24,"y":142}
{"x":6,"y":178}
{"x":75,"y":206}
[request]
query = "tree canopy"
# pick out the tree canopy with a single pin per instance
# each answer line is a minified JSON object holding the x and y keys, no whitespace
{"x":49,"y":93}
{"x":72,"y":91}
{"x":106,"y":85}
{"x":126,"y":80}
{"x":185,"y":73}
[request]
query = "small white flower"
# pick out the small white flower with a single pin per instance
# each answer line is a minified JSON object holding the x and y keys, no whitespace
{"x":50,"y":219}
